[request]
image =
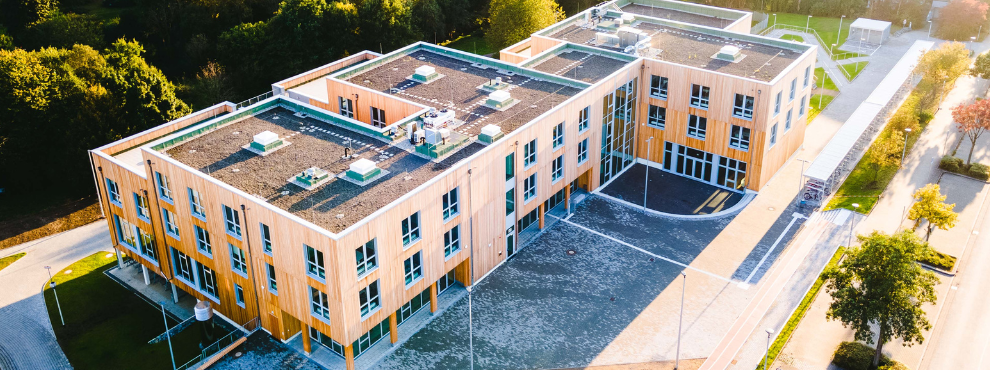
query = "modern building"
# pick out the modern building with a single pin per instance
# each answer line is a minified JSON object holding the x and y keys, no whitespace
{"x":360,"y":191}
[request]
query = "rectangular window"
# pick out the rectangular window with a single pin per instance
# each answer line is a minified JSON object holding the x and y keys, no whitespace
{"x":657,"y":117}
{"x":510,"y":166}
{"x":378,"y":117}
{"x":237,"y":261}
{"x":367,"y":259}
{"x":807,"y":76}
{"x":510,"y":201}
{"x":233,"y":221}
{"x":113,"y":192}
{"x":266,"y":239}
{"x":699,"y":96}
{"x":207,"y":281}
{"x":196,"y":204}
{"x":787,"y":123}
{"x":697,"y":126}
{"x":410,"y":229}
{"x":319,"y":303}
{"x":529,"y":154}
{"x":558,"y":135}
{"x":272,"y":282}
{"x":413,"y":268}
{"x":450,"y":208}
{"x":773,"y":135}
{"x":739,"y":138}
{"x":125,"y":232}
{"x":239,"y":295}
{"x":346,"y":107}
{"x":203,"y":241}
{"x":793,"y":89}
{"x":369,"y":299}
{"x":147,"y":245}
{"x":529,"y":188}
{"x":314,"y":263}
{"x":804,"y":104}
{"x":171,"y":229}
{"x":584,"y":119}
{"x":141,"y":204}
{"x":776,"y":105}
{"x":452,"y":241}
{"x":557,"y":169}
{"x":582,"y":152}
{"x":183,"y":266}
{"x":743,"y":107}
{"x":164,"y":190}
{"x":658,"y":87}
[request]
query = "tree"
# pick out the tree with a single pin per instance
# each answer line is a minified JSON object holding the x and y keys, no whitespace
{"x":880,"y":283}
{"x":19,"y":14}
{"x":942,"y":65}
{"x":511,"y":21}
{"x":885,"y":153}
{"x":386,"y":25}
{"x":961,"y":19}
{"x":931,"y":206}
{"x":981,"y":68}
{"x":62,"y":30}
{"x":211,"y":86}
{"x":972,"y":120}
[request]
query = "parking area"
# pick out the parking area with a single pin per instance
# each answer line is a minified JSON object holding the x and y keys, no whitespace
{"x":601,"y":287}
{"x":670,"y":193}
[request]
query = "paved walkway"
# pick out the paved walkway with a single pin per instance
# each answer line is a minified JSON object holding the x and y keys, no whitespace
{"x":26,"y":337}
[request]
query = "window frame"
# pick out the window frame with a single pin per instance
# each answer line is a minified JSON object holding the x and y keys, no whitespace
{"x":558,"y":136}
{"x":142,"y":207}
{"x":272,"y":279}
{"x":773,"y":135}
{"x":372,"y":303}
{"x":777,"y":103}
{"x":179,"y":260}
{"x":411,"y":230}
{"x":319,"y":304}
{"x":788,"y":118}
{"x":316,"y":267}
{"x":413,"y":269}
{"x":658,"y":87}
{"x":451,"y":242}
{"x":346,"y":110}
{"x":742,"y":140}
{"x":265,"y":233}
{"x":169,"y":223}
{"x":804,"y":106}
{"x":700,"y":96}
{"x":196,"y":204}
{"x":748,"y":106}
{"x":656,"y":117}
{"x":164,"y":190}
{"x":113,"y":193}
{"x":450,"y":209}
{"x":203,"y":239}
{"x":807,"y":76}
{"x":529,"y":188}
{"x":529,"y":154}
{"x":238,"y":295}
{"x":584,"y":119}
{"x":582,"y":152}
{"x":793,"y":93}
{"x":232,"y":226}
{"x":557,"y":169}
{"x":377,"y":121}
{"x":238,"y":261}
{"x":366,"y":258}
{"x":698,"y":126}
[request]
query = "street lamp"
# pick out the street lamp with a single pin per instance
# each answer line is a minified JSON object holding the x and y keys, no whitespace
{"x":168,"y":335}
{"x":677,"y":358}
{"x":929,"y":29}
{"x":766,"y":356}
{"x":904,"y":151}
{"x":839,"y":35}
{"x":775,"y":20}
{"x":807,"y":25}
{"x":851,"y":220}
{"x":51,"y":283}
{"x":646,"y":182}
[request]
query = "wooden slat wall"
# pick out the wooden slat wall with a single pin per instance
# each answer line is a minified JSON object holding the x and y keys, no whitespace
{"x":395,"y":109}
{"x":743,"y":25}
{"x":167,"y":128}
{"x":325,"y":70}
{"x":510,"y":57}
{"x":541,"y":44}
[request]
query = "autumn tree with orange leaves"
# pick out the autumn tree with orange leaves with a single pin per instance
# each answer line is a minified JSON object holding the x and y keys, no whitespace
{"x":972,"y":120}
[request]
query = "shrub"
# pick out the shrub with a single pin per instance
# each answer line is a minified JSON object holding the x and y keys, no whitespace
{"x":950,"y":163}
{"x":893,"y":365}
{"x":979,"y":171}
{"x":856,"y":356}
{"x":939,"y":260}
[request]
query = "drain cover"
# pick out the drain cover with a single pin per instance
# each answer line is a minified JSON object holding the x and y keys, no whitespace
{"x":651,"y":259}
{"x":571,"y":252}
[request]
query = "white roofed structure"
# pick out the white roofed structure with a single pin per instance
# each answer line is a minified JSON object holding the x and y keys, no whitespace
{"x":868,"y":31}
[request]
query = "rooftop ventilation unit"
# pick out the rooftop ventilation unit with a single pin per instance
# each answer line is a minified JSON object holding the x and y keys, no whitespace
{"x":311,"y":178}
{"x":363,"y":172}
{"x":265,"y":143}
{"x":425,"y":74}
{"x":729,"y":53}
{"x":490,"y":133}
{"x":438,"y":118}
{"x":500,"y":100}
{"x":493,"y":85}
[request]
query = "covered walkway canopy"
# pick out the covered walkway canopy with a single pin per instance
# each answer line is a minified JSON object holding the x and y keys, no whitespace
{"x":868,"y":31}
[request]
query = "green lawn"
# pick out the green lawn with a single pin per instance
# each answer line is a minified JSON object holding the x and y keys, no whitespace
{"x":6,"y":261}
{"x":825,"y":80}
{"x":107,"y":326}
{"x":815,"y":110}
{"x":827,"y":28}
{"x":473,"y":43}
{"x":853,"y":69}
{"x":792,"y":38}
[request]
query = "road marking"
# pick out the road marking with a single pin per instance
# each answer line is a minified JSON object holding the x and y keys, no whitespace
{"x":651,"y":254}
{"x":794,"y":217}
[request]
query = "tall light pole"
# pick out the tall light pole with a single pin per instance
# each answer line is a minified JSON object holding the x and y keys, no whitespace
{"x":677,"y":358}
{"x":775,"y":20}
{"x":851,"y":220}
{"x":807,"y":25}
{"x":471,"y":266}
{"x":766,"y":356}
{"x":929,"y":29}
{"x":839,"y":35}
{"x":51,"y":283}
{"x":168,"y":335}
{"x":646,"y":182}
{"x":907,"y":131}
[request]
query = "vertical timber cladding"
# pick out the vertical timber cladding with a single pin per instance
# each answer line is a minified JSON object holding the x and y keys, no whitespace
{"x":762,"y":161}
{"x":363,"y":99}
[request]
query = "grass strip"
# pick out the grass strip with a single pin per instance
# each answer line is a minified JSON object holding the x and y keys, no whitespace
{"x":818,"y":103}
{"x":6,"y":261}
{"x":853,"y":69}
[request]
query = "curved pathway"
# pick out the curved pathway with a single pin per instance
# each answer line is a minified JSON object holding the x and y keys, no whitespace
{"x":26,"y":337}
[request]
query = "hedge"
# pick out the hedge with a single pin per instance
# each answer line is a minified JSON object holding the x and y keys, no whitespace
{"x":858,"y":356}
{"x":952,"y":164}
{"x":939,"y":260}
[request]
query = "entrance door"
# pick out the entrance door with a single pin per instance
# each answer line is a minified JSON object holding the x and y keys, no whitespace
{"x":689,"y":162}
{"x":510,"y":241}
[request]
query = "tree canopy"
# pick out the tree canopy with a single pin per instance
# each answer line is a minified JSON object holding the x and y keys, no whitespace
{"x":880,"y":283}
{"x":961,"y":19}
{"x":512,"y":21}
{"x":972,"y":120}
{"x":930,"y":205}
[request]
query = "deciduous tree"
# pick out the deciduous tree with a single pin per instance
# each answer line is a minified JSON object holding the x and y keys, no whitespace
{"x":62,"y":30}
{"x":511,"y":21}
{"x":885,"y":153}
{"x":942,"y":65}
{"x":879,"y":283}
{"x":981,"y":68}
{"x":972,"y":120}
{"x":961,"y":19}
{"x":930,"y":205}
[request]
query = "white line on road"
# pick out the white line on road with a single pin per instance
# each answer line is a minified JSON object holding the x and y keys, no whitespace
{"x":794,"y":217}
{"x":640,"y":249}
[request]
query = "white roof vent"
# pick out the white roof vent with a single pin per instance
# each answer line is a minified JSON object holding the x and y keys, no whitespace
{"x":730,"y":53}
{"x":311,"y":178}
{"x":425,"y":74}
{"x":265,"y":143}
{"x":362,"y":172}
{"x":500,"y":100}
{"x":490,"y":133}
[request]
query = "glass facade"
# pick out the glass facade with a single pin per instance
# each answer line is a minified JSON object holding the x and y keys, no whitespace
{"x":618,"y":125}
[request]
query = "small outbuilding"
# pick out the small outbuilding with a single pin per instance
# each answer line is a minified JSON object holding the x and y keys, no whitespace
{"x":868,"y":31}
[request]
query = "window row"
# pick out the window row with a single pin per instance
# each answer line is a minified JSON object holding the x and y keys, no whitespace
{"x":742,"y":107}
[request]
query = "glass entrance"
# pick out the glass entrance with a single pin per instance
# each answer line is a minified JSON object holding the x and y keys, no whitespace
{"x":689,"y":162}
{"x":618,"y":119}
{"x":510,"y":242}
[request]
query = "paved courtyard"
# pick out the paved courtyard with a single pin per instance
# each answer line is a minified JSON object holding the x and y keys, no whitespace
{"x":693,"y":197}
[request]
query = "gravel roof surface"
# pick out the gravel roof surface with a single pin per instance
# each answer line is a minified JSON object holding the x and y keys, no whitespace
{"x":581,"y":66}
{"x":761,"y":62}
{"x":458,"y":88}
{"x":677,"y":15}
{"x":335,"y":205}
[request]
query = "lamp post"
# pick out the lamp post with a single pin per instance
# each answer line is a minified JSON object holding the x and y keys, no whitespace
{"x":904,"y":151}
{"x":839,"y":35}
{"x":807,"y":25}
{"x":766,"y":355}
{"x":929,"y":29}
{"x":856,"y":209}
{"x":646,"y":182}
{"x":775,"y":20}
{"x":51,"y":283}
{"x":168,"y":335}
{"x":677,"y":358}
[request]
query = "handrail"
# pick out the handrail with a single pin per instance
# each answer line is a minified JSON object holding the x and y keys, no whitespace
{"x":248,"y":328}
{"x":253,"y":100}
{"x":824,"y":45}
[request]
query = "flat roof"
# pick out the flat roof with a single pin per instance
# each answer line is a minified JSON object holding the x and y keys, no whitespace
{"x":580,"y":65}
{"x":335,"y":205}
{"x":870,"y":24}
{"x":459,"y":90}
{"x":677,"y":15}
